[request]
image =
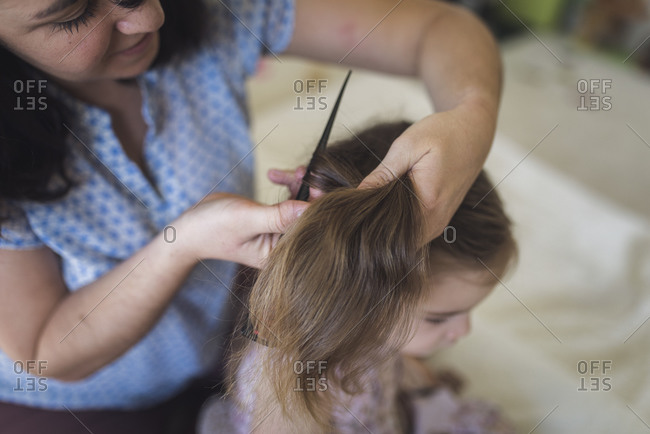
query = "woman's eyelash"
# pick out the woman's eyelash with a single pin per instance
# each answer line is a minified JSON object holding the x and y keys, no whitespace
{"x":436,"y":320}
{"x":74,"y":23}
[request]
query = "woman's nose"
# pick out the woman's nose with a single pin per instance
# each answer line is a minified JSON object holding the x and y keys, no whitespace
{"x":146,"y":18}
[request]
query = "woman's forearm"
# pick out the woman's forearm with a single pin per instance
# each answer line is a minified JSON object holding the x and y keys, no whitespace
{"x":96,"y":324}
{"x":458,"y":60}
{"x":455,"y":56}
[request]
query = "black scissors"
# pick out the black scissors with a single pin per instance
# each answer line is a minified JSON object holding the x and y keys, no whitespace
{"x":303,"y":194}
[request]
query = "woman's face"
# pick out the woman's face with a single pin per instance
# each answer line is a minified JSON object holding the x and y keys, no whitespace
{"x":82,"y":40}
{"x":445,"y":314}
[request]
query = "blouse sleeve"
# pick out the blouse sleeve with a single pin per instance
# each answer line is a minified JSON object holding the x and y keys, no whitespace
{"x":15,"y":231}
{"x":249,"y":29}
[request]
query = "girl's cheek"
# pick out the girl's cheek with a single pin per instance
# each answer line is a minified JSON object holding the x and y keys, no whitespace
{"x":425,"y":342}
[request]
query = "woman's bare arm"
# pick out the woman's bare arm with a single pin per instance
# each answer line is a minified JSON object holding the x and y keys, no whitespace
{"x":77,"y":333}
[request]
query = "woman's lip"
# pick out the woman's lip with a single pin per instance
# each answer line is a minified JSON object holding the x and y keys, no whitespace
{"x":137,"y":48}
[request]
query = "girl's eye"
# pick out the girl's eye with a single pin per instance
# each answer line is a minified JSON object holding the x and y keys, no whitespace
{"x":74,"y":23}
{"x":436,"y":320}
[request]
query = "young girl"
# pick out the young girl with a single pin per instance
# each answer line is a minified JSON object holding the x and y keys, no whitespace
{"x":351,"y":287}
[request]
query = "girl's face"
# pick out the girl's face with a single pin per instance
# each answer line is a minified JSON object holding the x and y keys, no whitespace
{"x":82,"y":40}
{"x":445,"y":314}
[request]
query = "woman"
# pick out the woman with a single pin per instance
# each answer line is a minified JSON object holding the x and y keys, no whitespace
{"x":117,"y":130}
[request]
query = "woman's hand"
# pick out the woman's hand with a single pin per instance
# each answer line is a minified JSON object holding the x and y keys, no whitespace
{"x":233,"y":228}
{"x":441,"y":152}
{"x":292,"y":179}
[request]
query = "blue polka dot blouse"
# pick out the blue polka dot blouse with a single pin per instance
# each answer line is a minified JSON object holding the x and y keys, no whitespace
{"x":197,"y":142}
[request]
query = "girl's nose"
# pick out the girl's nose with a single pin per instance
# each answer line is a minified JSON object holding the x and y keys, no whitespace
{"x":461,"y":327}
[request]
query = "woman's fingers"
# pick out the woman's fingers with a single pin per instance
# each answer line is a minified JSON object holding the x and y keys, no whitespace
{"x":277,"y":218}
{"x":392,"y":166}
{"x":286,"y":177}
{"x":290,"y":178}
{"x":280,"y":177}
{"x":266,"y":224}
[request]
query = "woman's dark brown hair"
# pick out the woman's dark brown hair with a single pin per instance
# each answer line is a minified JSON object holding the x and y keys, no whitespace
{"x":343,"y":284}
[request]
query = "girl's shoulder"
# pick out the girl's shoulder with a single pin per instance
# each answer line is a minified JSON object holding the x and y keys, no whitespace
{"x":435,"y":404}
{"x":444,"y":411}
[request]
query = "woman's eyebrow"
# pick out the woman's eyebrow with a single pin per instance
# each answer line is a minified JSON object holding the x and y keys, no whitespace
{"x":57,"y":6}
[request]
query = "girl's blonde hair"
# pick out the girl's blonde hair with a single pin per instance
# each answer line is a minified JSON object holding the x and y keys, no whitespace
{"x":341,"y":287}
